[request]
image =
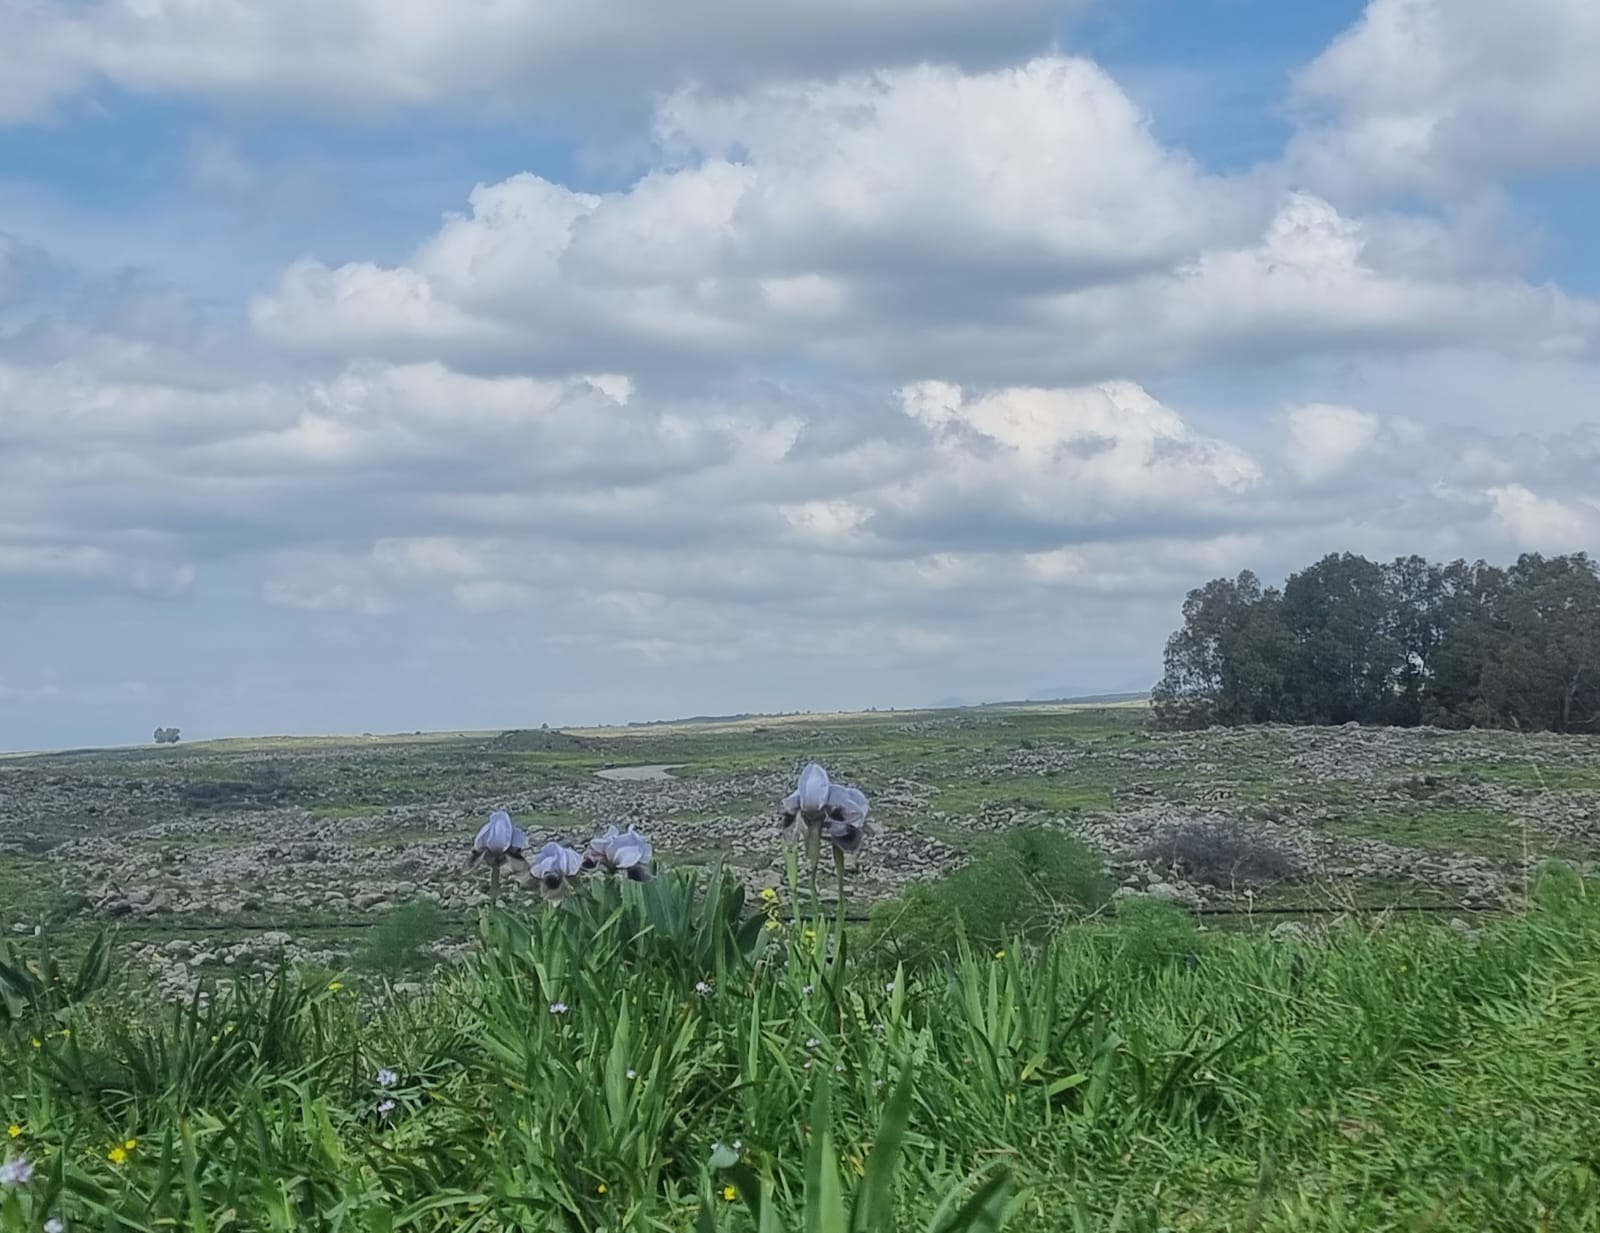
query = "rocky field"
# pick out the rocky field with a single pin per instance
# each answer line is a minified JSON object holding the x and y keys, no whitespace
{"x":229,"y":855}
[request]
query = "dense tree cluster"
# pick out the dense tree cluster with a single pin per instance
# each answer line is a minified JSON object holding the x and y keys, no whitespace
{"x":166,"y":736}
{"x":1406,"y":643}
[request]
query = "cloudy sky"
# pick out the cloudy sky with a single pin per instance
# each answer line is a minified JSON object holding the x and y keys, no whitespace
{"x":384,"y":364}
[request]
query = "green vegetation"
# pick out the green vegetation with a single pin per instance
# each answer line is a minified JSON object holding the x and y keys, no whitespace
{"x":1000,"y":1038}
{"x":1021,"y":887}
{"x":399,"y":943}
{"x":1348,"y":640}
{"x":660,"y":1057}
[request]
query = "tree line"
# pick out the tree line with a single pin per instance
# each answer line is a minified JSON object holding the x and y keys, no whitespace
{"x":1406,"y":643}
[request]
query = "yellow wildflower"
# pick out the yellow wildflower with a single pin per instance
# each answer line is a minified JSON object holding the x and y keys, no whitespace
{"x":335,"y":986}
{"x":773,"y":926}
{"x":14,"y":1131}
{"x":130,"y":1144}
{"x":37,"y":1043}
{"x":118,"y":1155}
{"x":600,"y":1189}
{"x":999,"y":954}
{"x":729,"y":1193}
{"x":769,"y":895}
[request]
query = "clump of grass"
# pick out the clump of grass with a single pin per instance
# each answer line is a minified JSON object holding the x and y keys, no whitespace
{"x":1152,"y":934}
{"x":1023,"y":885}
{"x":398,"y":944}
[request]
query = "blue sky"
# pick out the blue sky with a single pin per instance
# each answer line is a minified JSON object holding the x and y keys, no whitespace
{"x":367,"y":367}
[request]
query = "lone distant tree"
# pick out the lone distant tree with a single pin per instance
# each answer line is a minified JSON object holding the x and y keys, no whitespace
{"x":166,"y":736}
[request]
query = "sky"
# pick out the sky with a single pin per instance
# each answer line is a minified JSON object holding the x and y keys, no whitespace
{"x":380,"y":365}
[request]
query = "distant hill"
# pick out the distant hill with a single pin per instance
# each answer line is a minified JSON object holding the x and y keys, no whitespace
{"x":1082,"y":700}
{"x":1063,"y":695}
{"x":542,"y":739}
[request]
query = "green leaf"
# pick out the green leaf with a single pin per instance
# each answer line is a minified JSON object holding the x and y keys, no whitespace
{"x":985,"y":1212}
{"x":874,"y":1201}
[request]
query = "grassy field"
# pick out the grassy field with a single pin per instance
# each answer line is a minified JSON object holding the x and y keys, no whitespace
{"x":217,"y":842}
{"x":1132,"y":981}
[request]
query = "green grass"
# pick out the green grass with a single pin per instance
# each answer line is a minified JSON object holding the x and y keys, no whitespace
{"x":366,"y":810}
{"x":1533,"y":770}
{"x":1126,"y":1074}
{"x":1471,"y":831}
{"x":30,"y":891}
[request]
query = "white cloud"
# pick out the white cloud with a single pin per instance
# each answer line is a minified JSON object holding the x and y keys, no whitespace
{"x":1054,"y":464}
{"x":878,"y":369}
{"x":491,"y":594}
{"x":1323,"y":440}
{"x":330,"y":597}
{"x":366,"y":55}
{"x":429,"y":556}
{"x":65,"y":566}
{"x":1442,"y":95}
{"x":1019,"y":225}
{"x":1545,"y":524}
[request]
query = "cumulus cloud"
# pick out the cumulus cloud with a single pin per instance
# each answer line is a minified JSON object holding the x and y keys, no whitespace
{"x":1537,"y":523}
{"x":367,"y":55}
{"x":1442,"y":95}
{"x":898,"y":356}
{"x":362,"y":491}
{"x":1322,"y":440}
{"x":1021,"y":224}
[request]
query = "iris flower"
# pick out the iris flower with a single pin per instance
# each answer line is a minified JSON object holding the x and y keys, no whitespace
{"x":555,"y":869}
{"x":628,"y":853}
{"x":500,"y":843}
{"x":833,"y":810}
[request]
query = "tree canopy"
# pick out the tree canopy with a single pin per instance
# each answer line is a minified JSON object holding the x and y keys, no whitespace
{"x":1405,"y":643}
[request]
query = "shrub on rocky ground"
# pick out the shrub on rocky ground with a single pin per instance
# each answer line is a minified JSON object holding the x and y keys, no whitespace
{"x":1220,"y":854}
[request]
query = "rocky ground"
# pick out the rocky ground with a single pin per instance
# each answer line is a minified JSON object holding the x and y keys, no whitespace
{"x":230,"y":856}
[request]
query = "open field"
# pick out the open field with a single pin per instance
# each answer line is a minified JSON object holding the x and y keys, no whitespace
{"x":1230,"y":1041}
{"x":223,"y":855}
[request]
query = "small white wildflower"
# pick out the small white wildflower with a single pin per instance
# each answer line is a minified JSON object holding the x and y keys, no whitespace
{"x":813,"y":1043}
{"x":808,"y":990}
{"x":387,"y":1078}
{"x":632,"y":1073}
{"x":877,"y":1083}
{"x":839,"y":1069}
{"x":54,"y":1225}
{"x":16,"y":1172}
{"x":808,"y":1064}
{"x":702,"y":988}
{"x":386,"y":1107}
{"x":558,"y":1008}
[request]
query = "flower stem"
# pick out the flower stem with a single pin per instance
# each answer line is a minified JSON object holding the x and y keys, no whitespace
{"x":838,"y":869}
{"x":814,"y":855}
{"x":494,"y":884}
{"x":792,"y":862}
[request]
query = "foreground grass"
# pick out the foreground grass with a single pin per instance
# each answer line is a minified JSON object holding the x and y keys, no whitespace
{"x":646,"y":1058}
